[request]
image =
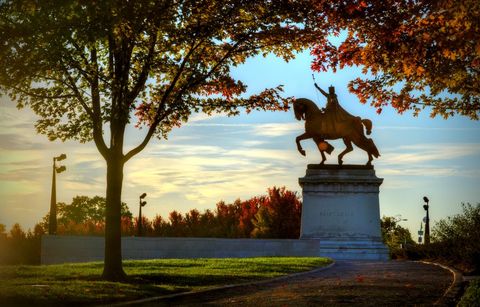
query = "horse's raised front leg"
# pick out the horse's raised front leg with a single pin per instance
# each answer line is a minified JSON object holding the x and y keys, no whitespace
{"x":300,"y":138}
{"x":349,"y":148}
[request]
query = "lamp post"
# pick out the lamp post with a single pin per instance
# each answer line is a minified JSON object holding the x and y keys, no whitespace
{"x":398,"y":220}
{"x":141,"y":204}
{"x":427,"y":221}
{"x":52,"y":221}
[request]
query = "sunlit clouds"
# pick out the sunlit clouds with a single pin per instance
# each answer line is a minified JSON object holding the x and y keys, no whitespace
{"x":213,"y":158}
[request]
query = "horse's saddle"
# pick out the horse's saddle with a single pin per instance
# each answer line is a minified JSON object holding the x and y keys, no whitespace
{"x":333,"y":121}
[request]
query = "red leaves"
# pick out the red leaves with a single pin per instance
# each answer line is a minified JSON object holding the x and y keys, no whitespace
{"x":325,"y":56}
{"x":145,"y":114}
{"x":225,"y":86}
{"x":425,"y":50}
{"x":235,"y":220}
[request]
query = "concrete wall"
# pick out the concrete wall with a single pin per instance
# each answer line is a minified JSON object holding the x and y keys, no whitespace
{"x":65,"y":249}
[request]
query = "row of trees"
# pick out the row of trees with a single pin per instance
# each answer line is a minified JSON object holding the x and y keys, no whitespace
{"x":274,"y":215}
{"x":20,"y":247}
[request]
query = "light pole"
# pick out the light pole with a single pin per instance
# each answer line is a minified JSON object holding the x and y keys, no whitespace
{"x":398,"y":220}
{"x":427,"y":221}
{"x":52,"y":221}
{"x":141,"y":204}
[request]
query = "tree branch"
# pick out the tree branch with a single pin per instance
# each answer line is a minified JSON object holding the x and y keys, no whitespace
{"x":161,"y":105}
{"x":188,"y":85}
{"x":35,"y":95}
{"x":142,"y":78}
{"x":97,"y":116}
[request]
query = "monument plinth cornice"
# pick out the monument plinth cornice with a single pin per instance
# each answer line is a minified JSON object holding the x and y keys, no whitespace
{"x":340,"y":178}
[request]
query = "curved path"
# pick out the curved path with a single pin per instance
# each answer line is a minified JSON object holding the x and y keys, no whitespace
{"x":365,"y":283}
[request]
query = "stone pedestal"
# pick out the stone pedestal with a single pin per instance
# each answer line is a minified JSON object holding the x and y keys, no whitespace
{"x":341,"y":209}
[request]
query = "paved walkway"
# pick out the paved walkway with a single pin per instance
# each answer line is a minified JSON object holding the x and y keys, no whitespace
{"x":364,"y":283}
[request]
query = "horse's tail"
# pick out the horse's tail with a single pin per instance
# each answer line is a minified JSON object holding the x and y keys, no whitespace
{"x":368,"y":125}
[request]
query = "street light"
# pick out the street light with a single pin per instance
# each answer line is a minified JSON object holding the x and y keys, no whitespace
{"x":52,"y":221}
{"x":427,"y":221}
{"x":142,"y":203}
{"x":399,"y":219}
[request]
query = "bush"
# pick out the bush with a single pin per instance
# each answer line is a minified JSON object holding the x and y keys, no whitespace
{"x":471,"y":297}
{"x":395,"y":236}
{"x":456,"y":241}
{"x":459,"y":237}
{"x":19,"y":247}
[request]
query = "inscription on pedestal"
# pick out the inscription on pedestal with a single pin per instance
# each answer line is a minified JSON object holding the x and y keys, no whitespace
{"x":335,"y":213}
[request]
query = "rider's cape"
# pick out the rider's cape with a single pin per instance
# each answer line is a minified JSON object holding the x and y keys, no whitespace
{"x":334,"y":114}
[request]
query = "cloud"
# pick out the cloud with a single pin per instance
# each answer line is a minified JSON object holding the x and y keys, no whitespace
{"x":427,"y":128}
{"x":412,"y":154}
{"x":12,"y":140}
{"x":277,"y":129}
{"x":422,"y":171}
{"x":205,"y":174}
{"x":198,"y":117}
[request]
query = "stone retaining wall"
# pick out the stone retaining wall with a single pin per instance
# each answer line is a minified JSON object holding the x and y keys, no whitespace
{"x":64,"y":249}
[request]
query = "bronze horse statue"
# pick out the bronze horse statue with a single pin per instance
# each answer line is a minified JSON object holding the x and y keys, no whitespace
{"x":333,"y":123}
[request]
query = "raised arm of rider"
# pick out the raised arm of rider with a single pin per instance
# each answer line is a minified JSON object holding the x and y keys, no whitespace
{"x":321,"y":91}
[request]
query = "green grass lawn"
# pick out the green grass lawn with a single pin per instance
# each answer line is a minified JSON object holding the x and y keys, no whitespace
{"x":75,"y":284}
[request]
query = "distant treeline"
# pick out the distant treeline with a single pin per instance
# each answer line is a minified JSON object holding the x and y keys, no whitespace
{"x":274,"y":215}
{"x":455,"y":240}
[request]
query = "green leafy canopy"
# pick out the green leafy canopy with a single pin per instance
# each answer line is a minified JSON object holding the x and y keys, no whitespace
{"x":83,"y":65}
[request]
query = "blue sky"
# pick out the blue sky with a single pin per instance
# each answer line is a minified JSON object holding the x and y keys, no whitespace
{"x":224,"y":158}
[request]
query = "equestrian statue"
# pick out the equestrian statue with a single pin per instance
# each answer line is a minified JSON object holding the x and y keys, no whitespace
{"x":330,"y":123}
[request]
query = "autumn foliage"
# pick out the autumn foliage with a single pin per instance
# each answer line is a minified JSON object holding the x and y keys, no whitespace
{"x":419,"y":54}
{"x":275,"y":215}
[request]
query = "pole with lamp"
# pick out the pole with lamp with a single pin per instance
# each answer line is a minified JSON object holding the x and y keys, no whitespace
{"x":399,"y":219}
{"x":52,"y":221}
{"x":427,"y":221}
{"x":142,"y":203}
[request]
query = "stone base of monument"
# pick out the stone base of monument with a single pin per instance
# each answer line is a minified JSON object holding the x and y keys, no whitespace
{"x":341,"y":210}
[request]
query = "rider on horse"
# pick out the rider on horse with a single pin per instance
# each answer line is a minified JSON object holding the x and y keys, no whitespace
{"x":333,"y":109}
{"x":334,"y":113}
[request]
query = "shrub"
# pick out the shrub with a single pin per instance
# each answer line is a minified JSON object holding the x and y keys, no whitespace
{"x":455,"y":241}
{"x":471,"y":297}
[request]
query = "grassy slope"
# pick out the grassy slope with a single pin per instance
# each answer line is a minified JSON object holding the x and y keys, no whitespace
{"x":80,"y":283}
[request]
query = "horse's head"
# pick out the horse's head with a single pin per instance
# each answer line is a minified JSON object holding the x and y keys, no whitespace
{"x":299,"y":108}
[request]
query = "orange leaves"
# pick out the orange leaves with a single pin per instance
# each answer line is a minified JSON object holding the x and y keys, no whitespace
{"x":355,"y":6}
{"x":420,"y":71}
{"x":449,"y":54}
{"x":414,"y":46}
{"x":225,"y":86}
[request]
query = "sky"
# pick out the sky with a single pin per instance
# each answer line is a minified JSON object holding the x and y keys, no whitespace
{"x":216,"y":158}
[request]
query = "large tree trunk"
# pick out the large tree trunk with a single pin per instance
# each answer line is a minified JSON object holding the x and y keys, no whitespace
{"x":113,"y":269}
